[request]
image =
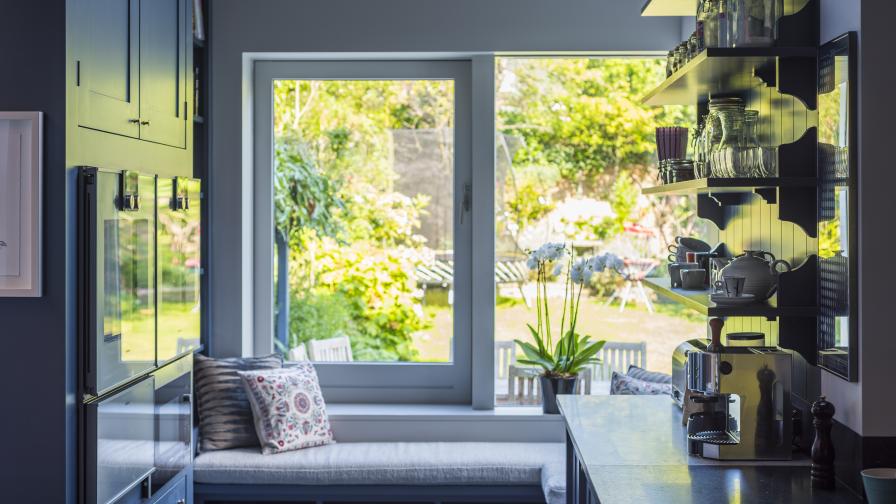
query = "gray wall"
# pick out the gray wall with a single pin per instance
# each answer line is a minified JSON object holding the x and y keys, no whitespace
{"x":37,"y":415}
{"x":239,"y":27}
{"x":877,"y":208}
{"x":380,"y":26}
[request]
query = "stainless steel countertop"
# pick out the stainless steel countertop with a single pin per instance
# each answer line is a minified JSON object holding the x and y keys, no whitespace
{"x":634,"y":451}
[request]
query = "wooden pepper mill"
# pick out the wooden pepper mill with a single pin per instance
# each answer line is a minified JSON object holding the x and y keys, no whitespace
{"x":715,"y":344}
{"x":823,"y":446}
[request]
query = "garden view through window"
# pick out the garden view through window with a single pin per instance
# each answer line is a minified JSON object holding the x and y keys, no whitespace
{"x":365,"y":209}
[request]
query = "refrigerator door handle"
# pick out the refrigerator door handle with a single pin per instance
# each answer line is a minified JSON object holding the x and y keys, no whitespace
{"x":87,"y":280}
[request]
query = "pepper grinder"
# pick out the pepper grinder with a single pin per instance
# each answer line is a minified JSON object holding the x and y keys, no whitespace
{"x":823,"y":446}
{"x":715,"y":344}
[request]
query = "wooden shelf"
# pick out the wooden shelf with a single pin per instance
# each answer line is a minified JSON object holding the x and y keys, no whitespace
{"x":728,"y":71}
{"x":765,"y":187}
{"x":669,"y":8}
{"x":699,"y":302}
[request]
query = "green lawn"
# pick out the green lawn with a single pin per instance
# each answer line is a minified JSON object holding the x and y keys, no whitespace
{"x":662,"y":330}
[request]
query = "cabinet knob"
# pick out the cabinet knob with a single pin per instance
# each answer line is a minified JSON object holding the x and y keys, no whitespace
{"x":144,"y":123}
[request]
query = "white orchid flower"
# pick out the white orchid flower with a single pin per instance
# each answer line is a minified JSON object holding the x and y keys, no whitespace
{"x":577,"y":271}
{"x":532,"y":262}
{"x":558,"y":268}
{"x":613,"y":261}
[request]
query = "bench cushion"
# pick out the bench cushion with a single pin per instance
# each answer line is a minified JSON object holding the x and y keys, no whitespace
{"x":384,"y":464}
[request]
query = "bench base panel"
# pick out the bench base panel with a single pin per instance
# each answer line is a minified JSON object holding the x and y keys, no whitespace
{"x":369,"y":494}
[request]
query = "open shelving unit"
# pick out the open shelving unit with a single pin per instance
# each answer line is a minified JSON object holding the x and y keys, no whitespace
{"x":784,"y":79}
{"x":730,"y":71}
{"x":669,"y":8}
{"x":699,"y":301}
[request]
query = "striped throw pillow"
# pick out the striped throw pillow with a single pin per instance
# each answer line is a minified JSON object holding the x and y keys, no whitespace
{"x":225,"y":416}
{"x":649,"y":376}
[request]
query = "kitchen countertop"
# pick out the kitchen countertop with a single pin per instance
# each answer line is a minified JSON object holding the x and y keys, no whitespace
{"x":633,"y":449}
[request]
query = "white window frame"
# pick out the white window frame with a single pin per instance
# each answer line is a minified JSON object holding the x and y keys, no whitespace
{"x":469,"y":379}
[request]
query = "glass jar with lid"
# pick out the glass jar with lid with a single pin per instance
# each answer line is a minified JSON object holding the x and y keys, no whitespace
{"x":717,"y":136}
{"x":751,"y":151}
{"x":730,"y":145}
{"x":754,"y":22}
{"x":710,"y":24}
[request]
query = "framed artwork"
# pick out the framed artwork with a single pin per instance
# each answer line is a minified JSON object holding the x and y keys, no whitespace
{"x":21,"y":151}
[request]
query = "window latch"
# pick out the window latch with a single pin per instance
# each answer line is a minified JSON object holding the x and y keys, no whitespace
{"x":467,"y":202}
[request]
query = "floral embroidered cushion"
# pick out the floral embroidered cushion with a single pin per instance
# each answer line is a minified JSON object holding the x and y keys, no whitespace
{"x":621,"y":384}
{"x":288,"y":408}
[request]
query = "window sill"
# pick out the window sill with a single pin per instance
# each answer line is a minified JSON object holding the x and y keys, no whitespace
{"x":423,"y":412}
{"x":437,"y":422}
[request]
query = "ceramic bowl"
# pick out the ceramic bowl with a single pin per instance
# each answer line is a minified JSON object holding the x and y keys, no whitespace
{"x":880,"y":485}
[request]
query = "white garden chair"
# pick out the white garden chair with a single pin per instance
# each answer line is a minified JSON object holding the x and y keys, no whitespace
{"x":337,"y":349}
{"x":618,"y":356}
{"x":298,"y":353}
{"x":505,"y":356}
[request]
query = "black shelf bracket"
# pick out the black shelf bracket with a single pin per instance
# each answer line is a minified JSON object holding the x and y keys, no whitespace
{"x":801,"y":28}
{"x":799,"y":205}
{"x":799,"y":334}
{"x":729,"y":199}
{"x":769,"y":194}
{"x":709,"y":209}
{"x":795,"y":78}
{"x":800,"y":158}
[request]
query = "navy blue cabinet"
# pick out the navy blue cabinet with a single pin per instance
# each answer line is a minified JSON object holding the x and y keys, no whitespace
{"x":131,"y":68}
{"x":176,"y":492}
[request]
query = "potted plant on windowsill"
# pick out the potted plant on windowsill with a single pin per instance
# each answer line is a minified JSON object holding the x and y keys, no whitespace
{"x":563,"y":360}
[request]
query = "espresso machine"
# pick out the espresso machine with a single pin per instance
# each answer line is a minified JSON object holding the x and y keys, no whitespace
{"x":736,"y":400}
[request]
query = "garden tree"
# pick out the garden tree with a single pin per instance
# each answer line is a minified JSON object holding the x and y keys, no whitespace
{"x":304,"y":201}
{"x":357,"y":278}
{"x":583,"y":118}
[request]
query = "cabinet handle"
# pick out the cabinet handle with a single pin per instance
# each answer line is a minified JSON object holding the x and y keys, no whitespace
{"x":144,"y":123}
{"x":134,"y":121}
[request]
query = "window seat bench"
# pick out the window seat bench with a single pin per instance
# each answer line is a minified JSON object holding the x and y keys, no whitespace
{"x":435,"y":472}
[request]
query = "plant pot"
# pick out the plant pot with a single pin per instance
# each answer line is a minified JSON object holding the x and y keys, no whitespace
{"x":551,"y":387}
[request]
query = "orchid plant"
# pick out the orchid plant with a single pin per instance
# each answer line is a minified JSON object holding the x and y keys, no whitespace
{"x":572,"y":352}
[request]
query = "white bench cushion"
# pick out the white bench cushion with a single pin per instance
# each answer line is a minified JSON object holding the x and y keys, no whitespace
{"x":385,"y":464}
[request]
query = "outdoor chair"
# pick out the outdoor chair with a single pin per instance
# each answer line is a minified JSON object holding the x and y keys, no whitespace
{"x":618,"y":356}
{"x":505,"y":356}
{"x":634,"y":272}
{"x":523,"y":385}
{"x":298,"y":353}
{"x":337,"y":349}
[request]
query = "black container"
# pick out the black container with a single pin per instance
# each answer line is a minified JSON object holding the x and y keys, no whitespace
{"x":552,"y":387}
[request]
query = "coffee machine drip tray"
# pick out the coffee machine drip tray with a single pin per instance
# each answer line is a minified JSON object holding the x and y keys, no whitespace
{"x":715,"y":437}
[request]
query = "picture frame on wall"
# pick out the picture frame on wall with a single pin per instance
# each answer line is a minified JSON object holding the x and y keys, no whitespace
{"x":21,"y":172}
{"x":198,"y":21}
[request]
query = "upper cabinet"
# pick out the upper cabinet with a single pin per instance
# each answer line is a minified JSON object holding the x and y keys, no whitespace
{"x":131,"y":68}
{"x":163,"y":71}
{"x":107,"y":66}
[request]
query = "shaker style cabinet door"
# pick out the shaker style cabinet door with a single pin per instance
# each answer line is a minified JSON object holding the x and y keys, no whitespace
{"x":163,"y":71}
{"x":107,"y":65}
